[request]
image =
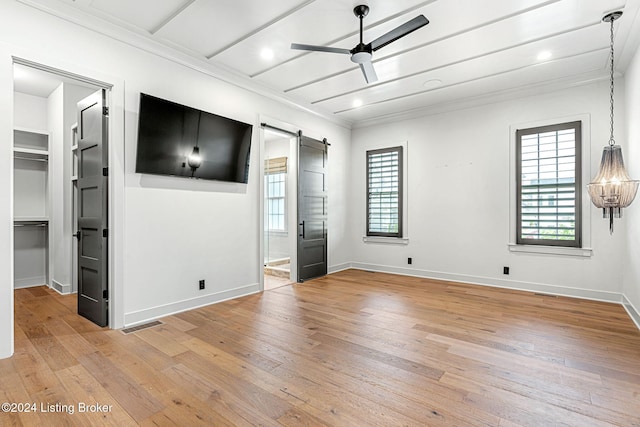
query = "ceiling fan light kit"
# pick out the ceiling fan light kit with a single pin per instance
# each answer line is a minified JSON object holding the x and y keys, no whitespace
{"x":362,"y":53}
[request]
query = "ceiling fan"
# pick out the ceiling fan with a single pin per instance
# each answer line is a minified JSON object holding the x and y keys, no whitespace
{"x":362,"y":53}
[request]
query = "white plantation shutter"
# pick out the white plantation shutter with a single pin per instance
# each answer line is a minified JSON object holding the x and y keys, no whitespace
{"x":384,"y":192}
{"x":548,"y":185}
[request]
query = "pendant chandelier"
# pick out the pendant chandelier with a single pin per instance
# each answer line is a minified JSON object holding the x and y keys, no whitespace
{"x":612,"y":189}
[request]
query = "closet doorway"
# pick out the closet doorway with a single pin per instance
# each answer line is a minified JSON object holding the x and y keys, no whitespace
{"x":48,"y":160}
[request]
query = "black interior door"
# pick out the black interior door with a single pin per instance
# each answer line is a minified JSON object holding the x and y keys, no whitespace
{"x":312,"y":208}
{"x":92,"y":208}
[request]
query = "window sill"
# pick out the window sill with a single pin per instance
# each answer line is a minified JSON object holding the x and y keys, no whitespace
{"x":386,"y":240}
{"x":551,"y":250}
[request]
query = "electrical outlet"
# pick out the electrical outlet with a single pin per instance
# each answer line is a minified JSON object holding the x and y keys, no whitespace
{"x":202,"y":284}
{"x":409,"y":260}
{"x":505,"y":270}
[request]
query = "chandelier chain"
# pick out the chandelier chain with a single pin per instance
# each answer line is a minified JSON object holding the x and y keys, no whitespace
{"x":612,"y":141}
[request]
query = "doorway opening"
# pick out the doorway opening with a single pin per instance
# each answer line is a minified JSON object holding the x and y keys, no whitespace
{"x":46,"y":168}
{"x":279,"y":201}
{"x":294,"y":200}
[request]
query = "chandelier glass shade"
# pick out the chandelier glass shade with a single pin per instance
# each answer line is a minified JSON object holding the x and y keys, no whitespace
{"x":612,"y":189}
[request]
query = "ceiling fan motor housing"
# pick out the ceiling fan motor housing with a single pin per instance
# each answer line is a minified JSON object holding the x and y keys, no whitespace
{"x":361,"y":10}
{"x":361,"y":53}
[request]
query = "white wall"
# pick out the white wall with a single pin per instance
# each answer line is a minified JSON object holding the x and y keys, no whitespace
{"x":30,"y":112}
{"x":55,"y":126}
{"x":6,"y":207}
{"x":459,"y":198}
{"x":175,"y":231}
{"x":631,"y":152}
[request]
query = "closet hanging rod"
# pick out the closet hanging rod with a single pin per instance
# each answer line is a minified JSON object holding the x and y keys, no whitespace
{"x":30,"y":158}
{"x":42,"y":224}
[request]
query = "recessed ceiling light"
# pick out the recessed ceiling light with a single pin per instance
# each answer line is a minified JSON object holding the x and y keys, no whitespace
{"x":357,"y":103}
{"x":544,"y":55}
{"x":266,"y":53}
{"x":432,"y":83}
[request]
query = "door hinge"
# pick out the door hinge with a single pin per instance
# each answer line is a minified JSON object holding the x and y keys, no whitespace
{"x":105,"y":111}
{"x":105,"y":294}
{"x":105,"y":232}
{"x":105,"y":171}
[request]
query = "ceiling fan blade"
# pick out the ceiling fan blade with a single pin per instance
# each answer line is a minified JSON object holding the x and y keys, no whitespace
{"x":319,"y":48}
{"x":399,"y":32}
{"x":369,"y":72}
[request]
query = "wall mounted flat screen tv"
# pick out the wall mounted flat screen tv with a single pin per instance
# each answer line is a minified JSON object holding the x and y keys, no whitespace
{"x":177,"y":140}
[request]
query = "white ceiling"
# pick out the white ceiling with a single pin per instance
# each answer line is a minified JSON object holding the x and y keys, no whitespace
{"x":34,"y":82}
{"x":470,"y":50}
{"x":41,"y":83}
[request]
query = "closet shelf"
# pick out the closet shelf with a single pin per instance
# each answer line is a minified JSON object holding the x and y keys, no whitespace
{"x":31,"y":151}
{"x":30,"y":219}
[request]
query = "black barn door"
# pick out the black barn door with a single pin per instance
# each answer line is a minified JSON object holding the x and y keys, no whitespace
{"x":312,"y":208}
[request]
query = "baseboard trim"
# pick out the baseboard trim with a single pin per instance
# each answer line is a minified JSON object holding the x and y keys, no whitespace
{"x":633,"y":312}
{"x":29,"y":282}
{"x":142,"y":316}
{"x":496,"y":283}
{"x":153,"y":313}
{"x":61,"y":288}
{"x":340,"y":267}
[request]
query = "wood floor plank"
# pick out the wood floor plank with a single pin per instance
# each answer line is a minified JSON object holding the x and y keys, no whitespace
{"x":349,"y":349}
{"x":520,"y":409}
{"x":12,"y":391}
{"x":208,"y":393}
{"x":138,"y":402}
{"x":244,"y":398}
{"x":34,"y":371}
{"x":165,"y":338}
{"x":77,"y":382}
{"x":54,"y":353}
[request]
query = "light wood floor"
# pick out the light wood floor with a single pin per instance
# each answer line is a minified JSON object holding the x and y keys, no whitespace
{"x":272,"y":282}
{"x":351,"y":349}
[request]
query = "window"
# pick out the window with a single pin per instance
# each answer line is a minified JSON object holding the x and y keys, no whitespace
{"x":549,"y":185}
{"x":384,"y":192}
{"x":275,"y":192}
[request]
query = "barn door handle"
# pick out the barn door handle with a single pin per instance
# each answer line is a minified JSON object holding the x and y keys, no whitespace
{"x":302,"y":225}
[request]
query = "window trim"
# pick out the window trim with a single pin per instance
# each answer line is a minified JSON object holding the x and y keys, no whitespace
{"x":399,"y":234}
{"x":577,"y":242}
{"x":513,"y":247}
